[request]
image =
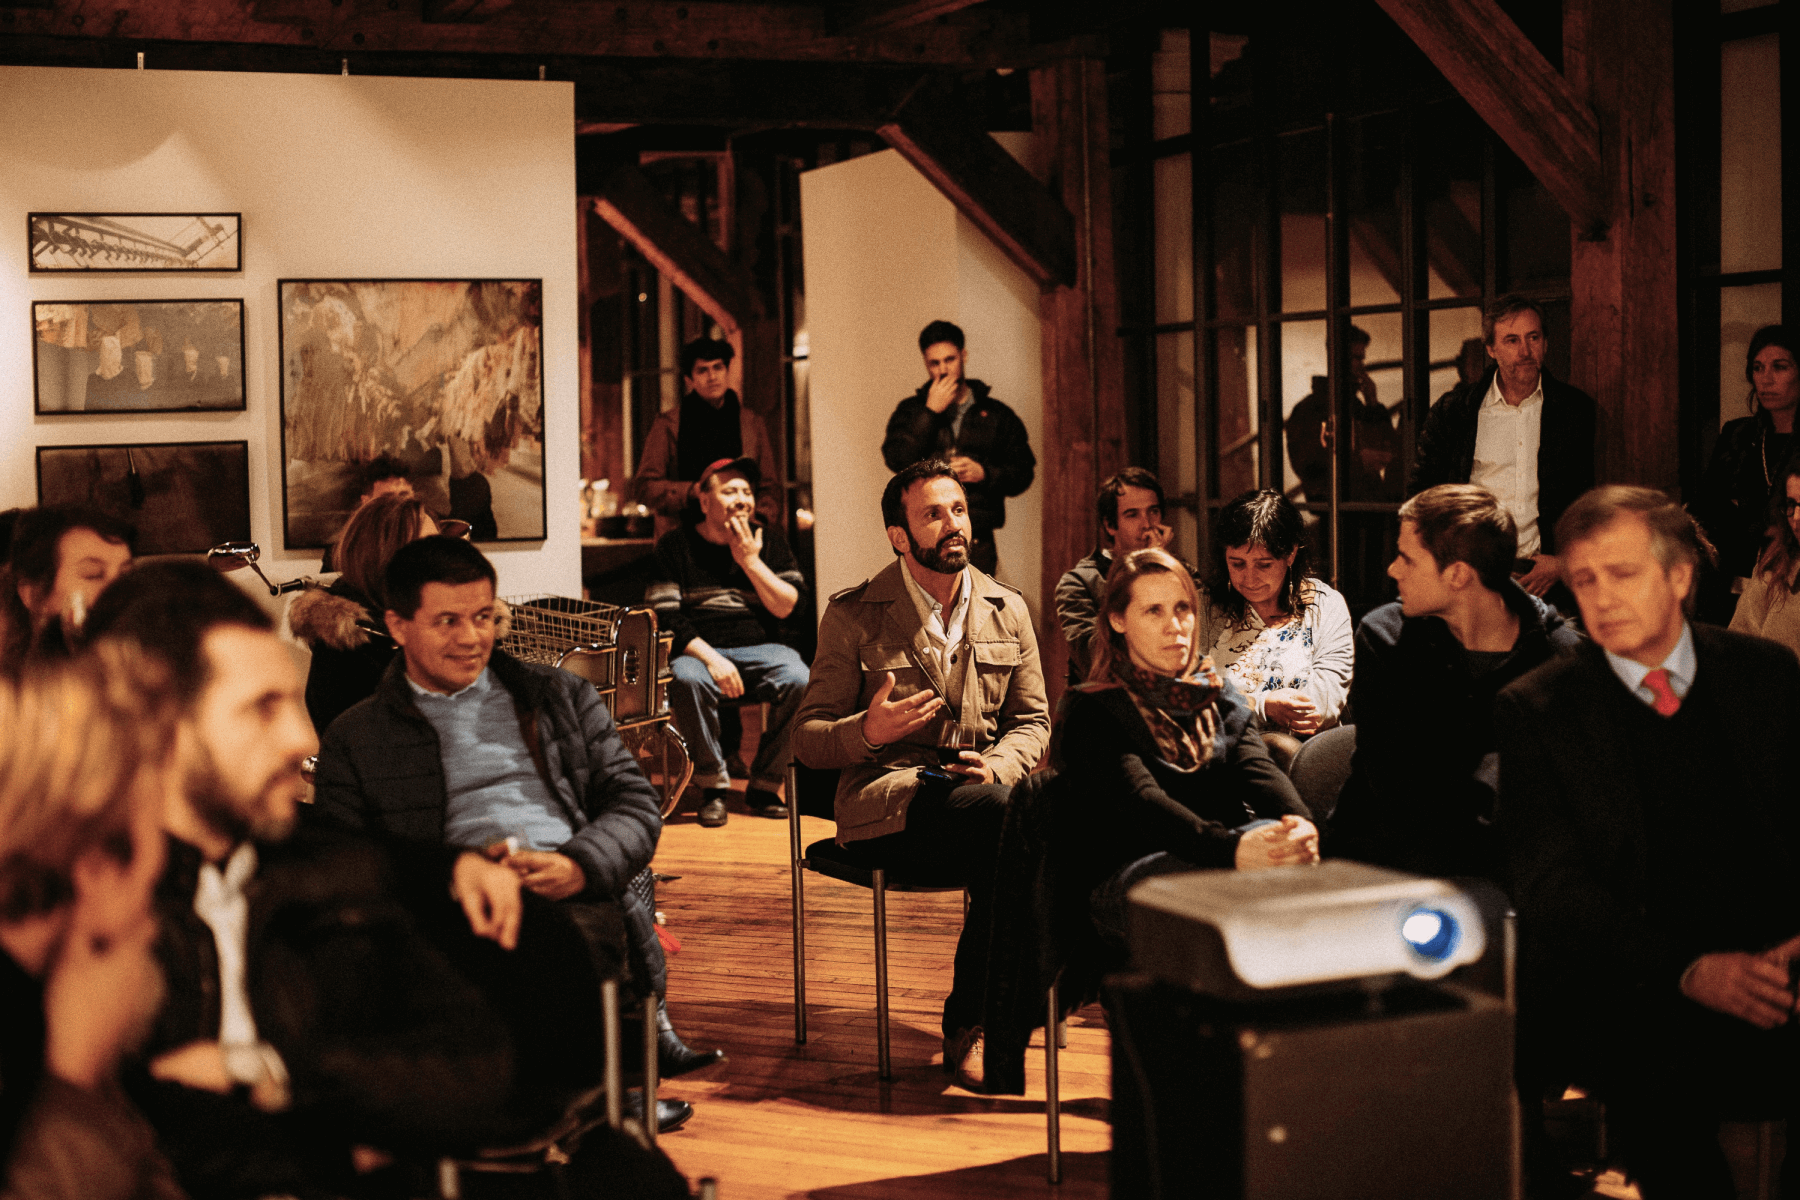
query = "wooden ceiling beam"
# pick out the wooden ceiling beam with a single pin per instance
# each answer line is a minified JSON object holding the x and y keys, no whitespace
{"x":886,"y":15}
{"x":630,"y":203}
{"x":1494,"y":67}
{"x":695,"y":29}
{"x":988,"y":186}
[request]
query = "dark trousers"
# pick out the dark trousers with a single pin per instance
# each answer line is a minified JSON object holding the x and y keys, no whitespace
{"x":957,"y":828}
{"x":1669,"y":1074}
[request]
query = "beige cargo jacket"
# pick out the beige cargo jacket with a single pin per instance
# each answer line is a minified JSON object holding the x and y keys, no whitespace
{"x":874,"y":628}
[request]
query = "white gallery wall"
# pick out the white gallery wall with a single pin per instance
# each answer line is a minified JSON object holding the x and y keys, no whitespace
{"x":886,"y":254}
{"x":337,"y":178}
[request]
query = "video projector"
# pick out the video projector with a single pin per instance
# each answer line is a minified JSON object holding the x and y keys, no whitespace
{"x":1339,"y":926}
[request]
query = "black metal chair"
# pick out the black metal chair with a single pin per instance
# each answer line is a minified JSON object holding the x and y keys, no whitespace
{"x":810,"y":792}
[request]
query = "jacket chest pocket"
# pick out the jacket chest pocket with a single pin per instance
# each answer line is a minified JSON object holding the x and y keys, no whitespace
{"x":878,"y":660}
{"x":995,"y":663}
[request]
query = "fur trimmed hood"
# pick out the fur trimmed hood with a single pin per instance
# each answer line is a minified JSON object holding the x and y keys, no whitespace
{"x":324,"y":617}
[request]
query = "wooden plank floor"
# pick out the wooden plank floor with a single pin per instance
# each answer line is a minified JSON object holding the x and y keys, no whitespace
{"x":781,"y":1120}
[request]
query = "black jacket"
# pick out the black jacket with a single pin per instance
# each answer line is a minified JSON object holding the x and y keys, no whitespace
{"x":1575,"y":824}
{"x":1138,"y":804}
{"x":992,"y":435}
{"x":1732,"y":503}
{"x":350,"y":649}
{"x":381,"y":769}
{"x":397,"y":1026}
{"x":1565,"y":463}
{"x":1420,"y":796}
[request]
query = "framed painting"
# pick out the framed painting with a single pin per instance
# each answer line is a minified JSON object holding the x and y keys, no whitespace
{"x":137,"y":356}
{"x":82,"y":242}
{"x":182,"y":496}
{"x":442,"y":377}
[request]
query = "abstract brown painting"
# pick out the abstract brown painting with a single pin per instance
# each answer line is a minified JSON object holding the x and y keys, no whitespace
{"x":444,"y":377}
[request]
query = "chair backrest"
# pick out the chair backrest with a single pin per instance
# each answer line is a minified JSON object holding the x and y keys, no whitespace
{"x":1321,"y":769}
{"x":592,"y":663}
{"x":818,"y":791}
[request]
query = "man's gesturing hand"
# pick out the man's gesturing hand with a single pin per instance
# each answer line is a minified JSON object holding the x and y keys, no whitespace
{"x":884,"y":722}
{"x":746,"y":540}
{"x":489,"y":895}
{"x":552,"y":876}
{"x":1750,"y":987}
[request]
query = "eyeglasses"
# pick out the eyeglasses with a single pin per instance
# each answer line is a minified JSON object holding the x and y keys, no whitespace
{"x":1789,"y":505}
{"x":453,"y":528}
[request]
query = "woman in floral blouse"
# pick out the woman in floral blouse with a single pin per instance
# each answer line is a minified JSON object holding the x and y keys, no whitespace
{"x":1282,"y":636}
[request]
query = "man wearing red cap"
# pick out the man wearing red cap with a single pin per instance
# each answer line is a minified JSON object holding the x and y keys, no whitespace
{"x":724,"y":586}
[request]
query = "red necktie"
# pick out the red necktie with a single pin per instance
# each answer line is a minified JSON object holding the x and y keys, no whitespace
{"x":1666,"y":702}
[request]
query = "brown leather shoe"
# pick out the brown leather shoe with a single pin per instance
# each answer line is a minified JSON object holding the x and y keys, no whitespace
{"x":965,"y":1058}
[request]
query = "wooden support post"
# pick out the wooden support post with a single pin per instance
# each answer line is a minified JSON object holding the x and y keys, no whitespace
{"x":603,"y":368}
{"x":1084,"y":384}
{"x":1624,"y":340}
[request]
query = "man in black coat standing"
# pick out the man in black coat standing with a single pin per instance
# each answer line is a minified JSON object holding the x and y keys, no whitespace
{"x":1523,"y":435}
{"x":956,"y":419}
{"x":1656,"y":955}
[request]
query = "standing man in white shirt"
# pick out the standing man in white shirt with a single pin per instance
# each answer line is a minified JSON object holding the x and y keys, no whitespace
{"x":1517,"y":431}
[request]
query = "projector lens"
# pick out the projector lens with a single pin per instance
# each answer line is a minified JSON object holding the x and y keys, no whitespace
{"x":1431,"y":932}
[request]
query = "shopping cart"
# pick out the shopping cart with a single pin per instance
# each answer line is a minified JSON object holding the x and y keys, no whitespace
{"x":626,"y":657}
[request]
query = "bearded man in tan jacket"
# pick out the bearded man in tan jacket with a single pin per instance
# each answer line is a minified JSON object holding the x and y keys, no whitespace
{"x":929,"y":642}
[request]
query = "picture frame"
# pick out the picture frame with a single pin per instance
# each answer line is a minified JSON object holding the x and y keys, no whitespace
{"x":155,"y":243}
{"x":443,"y":377}
{"x":147,"y":356}
{"x":182,"y":497}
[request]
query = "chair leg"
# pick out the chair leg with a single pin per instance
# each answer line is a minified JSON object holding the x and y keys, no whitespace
{"x":798,"y":869}
{"x":1053,"y":1087}
{"x":650,"y":1071}
{"x":883,"y":1064}
{"x":609,"y":1024}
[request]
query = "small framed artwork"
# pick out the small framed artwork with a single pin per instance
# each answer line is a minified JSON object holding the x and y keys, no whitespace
{"x":439,"y":378}
{"x":182,"y":496}
{"x":83,"y":242}
{"x":138,"y":356}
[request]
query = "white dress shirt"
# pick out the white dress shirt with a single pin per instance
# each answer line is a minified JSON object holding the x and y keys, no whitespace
{"x":1506,"y":456}
{"x":943,"y":630}
{"x":1681,"y":665}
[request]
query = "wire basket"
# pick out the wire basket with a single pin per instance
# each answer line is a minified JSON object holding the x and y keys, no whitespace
{"x":544,"y":626}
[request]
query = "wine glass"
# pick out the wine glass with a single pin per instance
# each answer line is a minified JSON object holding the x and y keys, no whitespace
{"x":952,"y":740}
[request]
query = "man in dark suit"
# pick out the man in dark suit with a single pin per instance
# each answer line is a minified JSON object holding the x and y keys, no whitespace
{"x":1522,"y":435}
{"x":1646,"y":806}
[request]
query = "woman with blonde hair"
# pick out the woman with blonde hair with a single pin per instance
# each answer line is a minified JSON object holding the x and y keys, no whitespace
{"x":1163,"y":749}
{"x":84,"y":768}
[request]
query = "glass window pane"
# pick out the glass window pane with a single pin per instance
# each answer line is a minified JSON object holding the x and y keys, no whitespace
{"x":1750,"y":154}
{"x":1175,"y":414}
{"x":1239,"y":413}
{"x":1301,"y":160}
{"x":1373,"y":208}
{"x":1455,"y":332}
{"x":1448,"y":172}
{"x":1534,"y":230}
{"x":1742,"y":311}
{"x":1236,"y":241}
{"x":1304,"y":409}
{"x":1170,"y":112}
{"x":1230,"y":72}
{"x":1173,"y":179}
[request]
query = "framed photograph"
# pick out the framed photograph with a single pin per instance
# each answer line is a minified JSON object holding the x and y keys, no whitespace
{"x":438,"y":380}
{"x":80,"y":242}
{"x":138,"y":356}
{"x":182,"y":496}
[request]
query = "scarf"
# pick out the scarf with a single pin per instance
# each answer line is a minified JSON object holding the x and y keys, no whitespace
{"x":1182,"y":714}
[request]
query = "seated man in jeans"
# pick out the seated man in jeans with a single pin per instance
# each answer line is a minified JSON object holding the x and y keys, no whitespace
{"x":466,"y":746}
{"x":926,"y":642}
{"x":724,"y":587}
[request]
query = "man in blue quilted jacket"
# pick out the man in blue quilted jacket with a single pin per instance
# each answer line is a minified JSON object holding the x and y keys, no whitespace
{"x":466,"y":746}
